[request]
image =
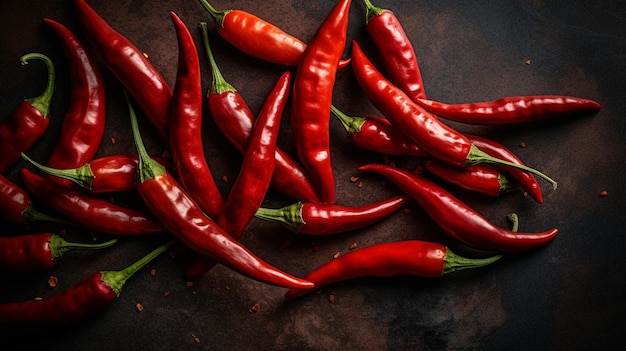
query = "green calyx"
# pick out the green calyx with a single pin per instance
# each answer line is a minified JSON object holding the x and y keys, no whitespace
{"x":147,"y":167}
{"x":506,"y":184}
{"x":82,"y":176}
{"x":32,"y":214}
{"x":477,"y":156}
{"x":117,"y":279}
{"x":371,"y":10}
{"x":218,"y":16}
{"x":219,"y":84}
{"x":290,"y":216}
{"x":42,"y":102}
{"x":59,"y":246}
{"x":352,"y":125}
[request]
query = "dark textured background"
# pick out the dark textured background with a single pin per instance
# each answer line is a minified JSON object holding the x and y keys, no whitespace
{"x":567,"y":295}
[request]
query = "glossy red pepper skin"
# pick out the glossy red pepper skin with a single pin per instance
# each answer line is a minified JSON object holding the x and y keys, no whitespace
{"x":83,"y":124}
{"x":30,"y":253}
{"x":255,"y":175}
{"x":312,"y":97}
{"x":512,"y":109}
{"x":526,"y":180}
{"x":16,"y":207}
{"x":233,"y":117}
{"x":478,"y":178}
{"x":257,"y":37}
{"x":458,"y":219}
{"x":90,"y":211}
{"x":396,"y":51}
{"x":27,"y":122}
{"x":403,"y":258}
{"x":329,"y":219}
{"x":378,"y":134}
{"x":186,"y":145}
{"x":130,"y":66}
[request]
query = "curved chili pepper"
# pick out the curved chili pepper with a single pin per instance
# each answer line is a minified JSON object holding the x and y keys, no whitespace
{"x":39,"y":252}
{"x":479,"y":178}
{"x":327,"y":219}
{"x":182,"y":216}
{"x":415,"y":258}
{"x":234,"y":118}
{"x":186,"y":143}
{"x":255,"y":175}
{"x":29,"y":120}
{"x":512,"y":109}
{"x":395,"y":49}
{"x":90,"y":211}
{"x":83,"y":125}
{"x":458,"y":219}
{"x":257,"y":37}
{"x":103,"y":175}
{"x":75,"y":304}
{"x":16,"y":207}
{"x":312,"y":95}
{"x":425,"y":129}
{"x":377,"y":134}
{"x":130,"y":66}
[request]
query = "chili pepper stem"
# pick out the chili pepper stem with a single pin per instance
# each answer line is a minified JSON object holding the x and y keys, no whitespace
{"x":219,"y":84}
{"x":371,"y":10}
{"x":42,"y":102}
{"x":514,"y":220}
{"x":290,"y":216}
{"x":32,"y":214}
{"x":218,"y":16}
{"x":82,"y":176}
{"x":477,"y":156}
{"x":506,"y":184}
{"x":60,"y":246}
{"x":117,"y":279}
{"x":351,"y":124}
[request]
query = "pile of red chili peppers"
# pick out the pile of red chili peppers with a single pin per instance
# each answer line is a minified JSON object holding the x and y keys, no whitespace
{"x":181,"y":195}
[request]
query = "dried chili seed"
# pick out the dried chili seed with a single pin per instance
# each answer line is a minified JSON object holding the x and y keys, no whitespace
{"x":166,"y":294}
{"x":527,"y":62}
{"x":227,"y":288}
{"x":113,"y":140}
{"x":359,"y":184}
{"x":522,"y":144}
{"x":153,"y":272}
{"x":139,"y":307}
{"x":354,"y":246}
{"x":195,"y":338}
{"x":53,"y":281}
{"x":337,"y":254}
{"x":354,"y":179}
{"x":225,"y":179}
{"x":255,"y":308}
{"x":604,"y":193}
{"x":331,"y":298}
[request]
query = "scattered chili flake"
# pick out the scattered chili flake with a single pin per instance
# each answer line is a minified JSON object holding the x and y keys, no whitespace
{"x":604,"y":193}
{"x":331,"y":298}
{"x":38,"y":298}
{"x":145,"y":54}
{"x":53,"y":281}
{"x":189,"y":284}
{"x":227,"y":288}
{"x":166,"y":294}
{"x":522,"y":144}
{"x":525,"y":194}
{"x":527,"y":61}
{"x":354,"y":246}
{"x":113,"y":140}
{"x":195,"y":338}
{"x":193,"y":292}
{"x":354,"y":179}
{"x":337,"y":254}
{"x":406,"y":210}
{"x":255,"y":308}
{"x":359,"y":184}
{"x":225,"y":179}
{"x":139,"y":307}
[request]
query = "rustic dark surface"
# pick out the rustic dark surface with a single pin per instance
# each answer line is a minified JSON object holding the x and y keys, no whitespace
{"x":567,"y":295}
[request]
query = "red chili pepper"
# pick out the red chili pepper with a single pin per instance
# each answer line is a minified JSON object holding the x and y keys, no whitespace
{"x":182,"y":216}
{"x":103,"y":175}
{"x":29,"y":120}
{"x":234,"y":118}
{"x":83,"y":125}
{"x":312,"y":96}
{"x":327,"y":219}
{"x":403,"y":258}
{"x":479,"y":178}
{"x":186,"y":142}
{"x":16,"y":207}
{"x":39,"y":252}
{"x":458,"y":219}
{"x":255,"y":175}
{"x":512,"y":109}
{"x":130,"y":66}
{"x":75,"y":304}
{"x":90,"y":211}
{"x":424,"y":128}
{"x":396,"y":51}
{"x":378,"y":134}
{"x":257,"y":37}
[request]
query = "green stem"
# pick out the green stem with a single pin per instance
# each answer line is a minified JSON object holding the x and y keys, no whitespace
{"x":59,"y":246}
{"x":352,"y":125}
{"x":514,"y":221}
{"x":290,"y":216}
{"x":117,"y":279}
{"x":506,"y":184}
{"x":372,"y":11}
{"x":147,"y":168}
{"x":32,"y":214}
{"x":477,"y":156}
{"x":218,"y":16}
{"x":219,"y":84}
{"x":82,"y":176}
{"x":42,"y":102}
